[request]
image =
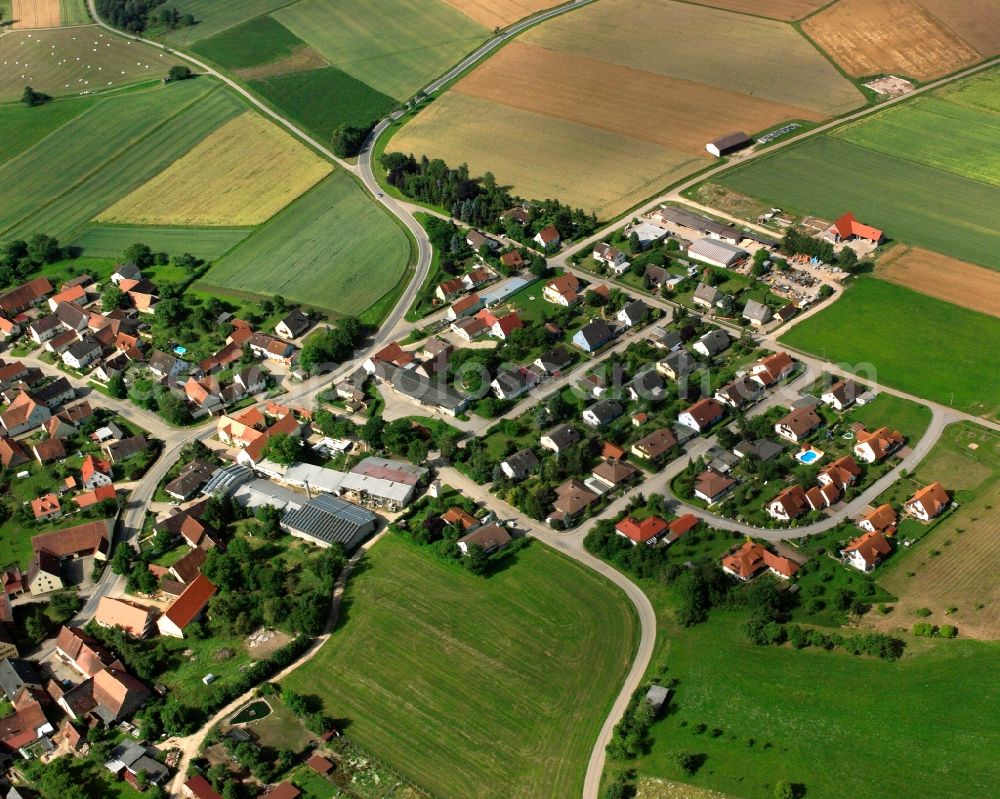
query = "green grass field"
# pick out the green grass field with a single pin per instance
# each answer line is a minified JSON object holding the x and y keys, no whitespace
{"x":331,"y":249}
{"x":109,"y":241}
{"x":33,"y":124}
{"x":908,"y":417}
{"x":476,"y":687}
{"x":395,"y":46}
{"x":936,"y":133}
{"x":918,"y":344}
{"x":73,"y":12}
{"x":58,"y":186}
{"x":214,"y":16}
{"x":258,"y":41}
{"x":909,"y":201}
{"x":841,"y":725}
{"x":321,"y":99}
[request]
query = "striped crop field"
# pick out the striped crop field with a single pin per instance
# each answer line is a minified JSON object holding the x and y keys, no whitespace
{"x":109,"y":241}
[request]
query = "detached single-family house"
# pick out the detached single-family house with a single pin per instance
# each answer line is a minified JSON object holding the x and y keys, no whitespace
{"x":465,"y":306}
{"x":842,"y":473}
{"x":572,"y":500}
{"x":928,"y":502}
{"x":712,"y":343}
{"x":647,"y":531}
{"x":610,"y":256}
{"x":738,"y":393}
{"x":519,"y":465}
{"x":848,"y":228}
{"x":866,"y":551}
{"x":187,"y":608}
{"x":554,"y":361}
{"x":752,"y":559}
{"x":702,"y":415}
{"x":823,"y":496}
{"x":469,"y":328}
{"x":135,"y":619}
{"x":677,"y":365}
{"x":881,"y":520}
{"x":548,"y":237}
{"x":602,"y":413}
{"x":842,"y":394}
{"x":505,"y":325}
{"x":560,"y":438}
{"x":706,"y":296}
{"x":83,"y":353}
{"x":24,"y":414}
{"x":95,"y":472}
{"x":613,"y":473}
{"x":710,"y":486}
{"x":789,"y":504}
{"x":772,"y":368}
{"x":592,"y":336}
{"x":655,"y":445}
{"x":563,"y":290}
{"x":449,"y":289}
{"x":293,"y":325}
{"x":513,"y":261}
{"x":877,"y":445}
{"x":757,"y":313}
{"x":799,"y":423}
{"x":647,"y":385}
{"x":164,"y":365}
{"x":633,"y":314}
{"x":489,"y":538}
{"x":512,"y":383}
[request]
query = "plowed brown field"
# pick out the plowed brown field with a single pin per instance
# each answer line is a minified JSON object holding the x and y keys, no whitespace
{"x":35,"y":14}
{"x":500,"y":13}
{"x":974,"y":287}
{"x":775,"y":9}
{"x":678,"y":114}
{"x":869,"y":37}
{"x":975,"y":21}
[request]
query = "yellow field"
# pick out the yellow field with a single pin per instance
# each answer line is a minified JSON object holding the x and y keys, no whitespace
{"x":975,"y":21}
{"x":870,"y":37}
{"x":591,"y":168}
{"x":760,"y":58}
{"x":500,"y":13}
{"x":243,"y":174}
{"x":775,"y":9}
{"x":35,"y":14}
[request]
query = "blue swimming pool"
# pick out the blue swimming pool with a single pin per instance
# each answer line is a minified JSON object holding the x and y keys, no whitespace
{"x":808,"y":456}
{"x":179,"y":350}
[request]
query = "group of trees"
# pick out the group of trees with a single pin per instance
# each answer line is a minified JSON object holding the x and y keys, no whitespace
{"x":327,"y":347}
{"x":136,"y":15}
{"x":630,"y":737}
{"x":424,"y":526}
{"x":797,"y":242}
{"x":19,"y":258}
{"x":347,"y":139}
{"x":32,"y":98}
{"x":479,"y":202}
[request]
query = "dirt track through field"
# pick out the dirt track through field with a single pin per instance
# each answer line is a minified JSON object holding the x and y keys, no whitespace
{"x":670,"y":112}
{"x":500,"y":13}
{"x":775,"y":9}
{"x":968,"y":285}
{"x":869,"y":37}
{"x":35,"y":14}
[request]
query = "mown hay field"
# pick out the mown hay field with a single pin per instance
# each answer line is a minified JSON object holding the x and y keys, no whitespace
{"x":242,"y":174}
{"x":911,"y":202}
{"x":580,"y":164}
{"x":786,"y":10}
{"x":760,"y":58}
{"x":260,"y":40}
{"x":24,"y":126}
{"x":65,"y":61}
{"x":27,"y":14}
{"x":500,"y":13}
{"x":110,"y":241}
{"x":394,"y":46}
{"x":916,"y":343}
{"x":955,"y":566}
{"x":476,"y":687}
{"x":937,"y":133}
{"x":968,"y":285}
{"x":68,"y":178}
{"x":332,"y":249}
{"x":871,"y":37}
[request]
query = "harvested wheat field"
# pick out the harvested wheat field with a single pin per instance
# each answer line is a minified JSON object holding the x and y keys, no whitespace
{"x":762,"y":58}
{"x":975,"y":21}
{"x":955,"y":565}
{"x":968,"y":285}
{"x":242,"y":174}
{"x":670,"y":112}
{"x":35,"y":14}
{"x":774,"y":9}
{"x":599,"y":171}
{"x":500,"y":13}
{"x":870,"y":37}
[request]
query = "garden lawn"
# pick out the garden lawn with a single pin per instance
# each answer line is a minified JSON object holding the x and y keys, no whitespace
{"x":920,"y":725}
{"x":395,"y":46}
{"x":109,"y":241}
{"x":911,"y":202}
{"x":475,"y":687}
{"x":321,"y":99}
{"x":918,"y":344}
{"x":908,"y":417}
{"x":331,"y":249}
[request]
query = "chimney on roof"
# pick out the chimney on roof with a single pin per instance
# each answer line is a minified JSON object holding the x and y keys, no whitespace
{"x":308,"y":491}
